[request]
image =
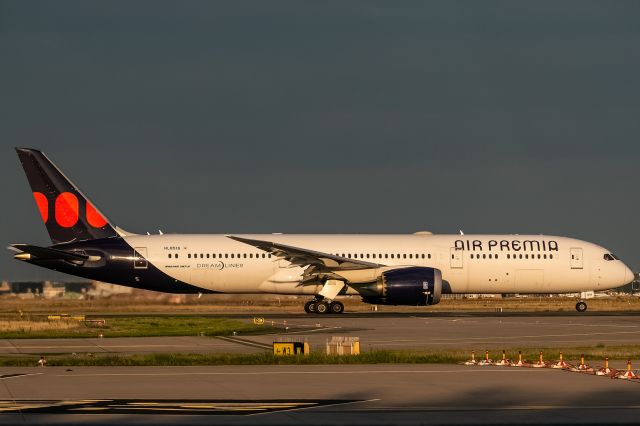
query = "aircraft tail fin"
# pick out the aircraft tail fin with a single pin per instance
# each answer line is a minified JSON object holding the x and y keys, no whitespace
{"x":66,"y":212}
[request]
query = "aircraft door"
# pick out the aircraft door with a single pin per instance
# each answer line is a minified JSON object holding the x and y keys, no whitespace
{"x":140,"y":258}
{"x":576,"y":258}
{"x":456,"y":257}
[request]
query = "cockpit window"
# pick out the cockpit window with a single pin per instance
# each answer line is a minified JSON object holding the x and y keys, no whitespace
{"x":614,"y":256}
{"x":609,"y":256}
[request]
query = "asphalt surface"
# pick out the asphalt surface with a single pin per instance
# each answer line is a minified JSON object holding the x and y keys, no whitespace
{"x":326,"y":394}
{"x":465,"y":331}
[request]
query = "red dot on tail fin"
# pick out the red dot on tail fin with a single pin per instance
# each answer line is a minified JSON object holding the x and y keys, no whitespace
{"x":67,"y":209}
{"x":94,"y":218}
{"x":43,"y":205}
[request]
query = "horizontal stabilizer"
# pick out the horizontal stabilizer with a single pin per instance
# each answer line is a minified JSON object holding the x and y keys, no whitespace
{"x":43,"y":253}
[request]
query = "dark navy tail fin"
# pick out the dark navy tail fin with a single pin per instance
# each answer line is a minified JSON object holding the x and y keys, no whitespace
{"x":67,"y":213}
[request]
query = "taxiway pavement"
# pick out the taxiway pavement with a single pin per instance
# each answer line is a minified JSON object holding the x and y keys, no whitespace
{"x":325,"y":394}
{"x":465,"y":331}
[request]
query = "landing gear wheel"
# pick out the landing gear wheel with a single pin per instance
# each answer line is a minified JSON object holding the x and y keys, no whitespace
{"x":322,"y":307}
{"x":581,"y":306}
{"x":336,"y":308}
{"x":310,"y":307}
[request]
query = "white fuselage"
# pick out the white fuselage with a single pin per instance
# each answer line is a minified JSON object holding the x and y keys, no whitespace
{"x":469,"y":263}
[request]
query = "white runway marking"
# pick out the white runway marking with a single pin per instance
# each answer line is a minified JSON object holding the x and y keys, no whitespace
{"x":267,"y":373}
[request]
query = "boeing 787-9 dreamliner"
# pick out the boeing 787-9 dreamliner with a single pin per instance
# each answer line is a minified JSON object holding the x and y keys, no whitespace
{"x":411,"y":269}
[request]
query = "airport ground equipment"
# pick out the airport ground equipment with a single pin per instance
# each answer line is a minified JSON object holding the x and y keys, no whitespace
{"x":343,"y":345}
{"x":284,"y":346}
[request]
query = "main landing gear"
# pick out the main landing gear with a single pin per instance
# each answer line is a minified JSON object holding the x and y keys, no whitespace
{"x":323,"y":307}
{"x":581,"y":306}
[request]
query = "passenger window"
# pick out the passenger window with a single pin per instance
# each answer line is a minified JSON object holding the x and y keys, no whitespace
{"x":520,"y":256}
{"x":269,"y":255}
{"x":484,"y":256}
{"x":429,"y":255}
{"x":189,"y":255}
{"x":213,"y":255}
{"x":176,"y":255}
{"x":496,"y":256}
{"x":226,"y":255}
{"x":404,"y":256}
{"x":544,"y":256}
{"x":550,"y":256}
{"x":508,"y":256}
{"x":169,"y":255}
{"x":207,"y":255}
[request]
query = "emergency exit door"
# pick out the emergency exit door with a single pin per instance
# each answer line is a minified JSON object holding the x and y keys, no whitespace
{"x":140,"y":258}
{"x":576,"y":258}
{"x":456,"y":257}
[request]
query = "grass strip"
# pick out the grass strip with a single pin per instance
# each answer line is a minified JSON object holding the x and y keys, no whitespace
{"x":130,"y":327}
{"x":592,"y":355}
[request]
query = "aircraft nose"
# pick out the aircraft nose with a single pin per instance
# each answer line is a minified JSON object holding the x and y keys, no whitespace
{"x":628,"y":275}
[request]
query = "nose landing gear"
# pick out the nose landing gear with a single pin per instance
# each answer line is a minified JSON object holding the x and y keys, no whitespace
{"x":316,"y":306}
{"x":581,"y":306}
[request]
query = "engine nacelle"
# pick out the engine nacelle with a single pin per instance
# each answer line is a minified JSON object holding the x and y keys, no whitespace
{"x":408,"y":286}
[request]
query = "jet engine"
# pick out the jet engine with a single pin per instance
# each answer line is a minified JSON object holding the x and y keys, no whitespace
{"x":407,"y":286}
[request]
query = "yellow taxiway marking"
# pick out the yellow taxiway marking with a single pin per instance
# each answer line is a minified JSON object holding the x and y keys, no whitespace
{"x":89,"y":408}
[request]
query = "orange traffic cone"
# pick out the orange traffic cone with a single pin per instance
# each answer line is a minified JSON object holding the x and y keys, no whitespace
{"x":519,"y":363}
{"x":629,"y":374}
{"x":582,"y":367}
{"x":504,"y":360}
{"x":605,"y":371}
{"x":540,"y":363}
{"x":471,"y":361}
{"x":486,"y":360}
{"x":560,"y":363}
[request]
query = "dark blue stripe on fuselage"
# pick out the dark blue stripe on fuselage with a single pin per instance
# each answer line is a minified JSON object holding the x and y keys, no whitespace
{"x":116,"y":266}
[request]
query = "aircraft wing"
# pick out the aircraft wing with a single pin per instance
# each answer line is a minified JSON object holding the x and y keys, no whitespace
{"x":317,"y":263}
{"x":44,"y":253}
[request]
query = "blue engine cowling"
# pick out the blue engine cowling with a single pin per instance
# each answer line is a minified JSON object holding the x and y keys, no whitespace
{"x":408,"y":286}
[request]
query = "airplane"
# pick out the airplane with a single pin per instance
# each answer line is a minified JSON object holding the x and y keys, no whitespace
{"x":414,"y":269}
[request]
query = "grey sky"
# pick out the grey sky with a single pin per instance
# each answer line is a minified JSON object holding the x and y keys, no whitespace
{"x":363,"y":117}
